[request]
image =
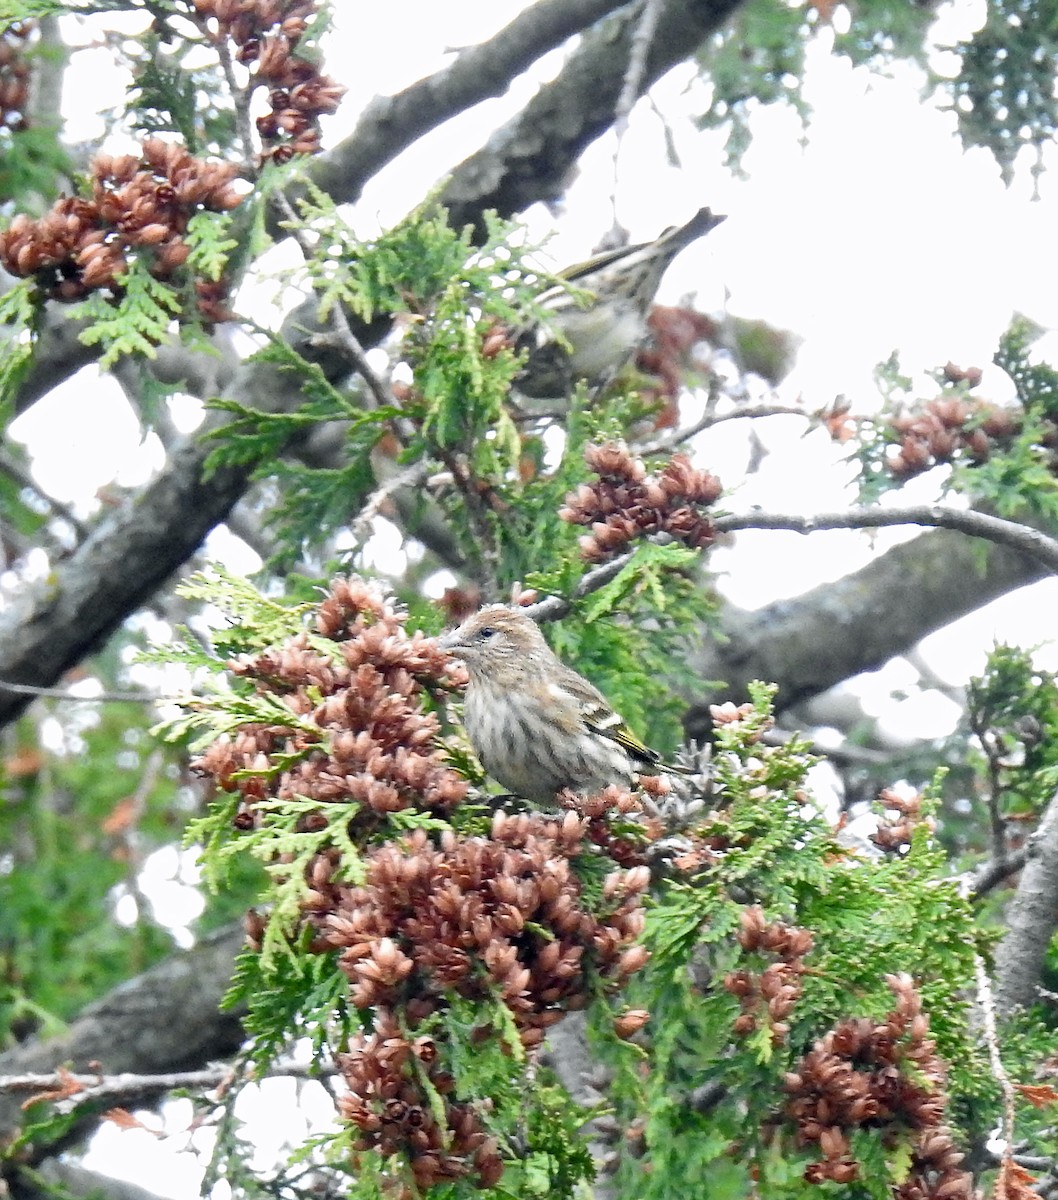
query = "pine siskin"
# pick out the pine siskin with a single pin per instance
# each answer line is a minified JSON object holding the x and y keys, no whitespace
{"x":603,"y":336}
{"x":537,"y":726}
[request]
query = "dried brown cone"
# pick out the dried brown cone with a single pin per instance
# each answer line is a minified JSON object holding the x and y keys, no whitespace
{"x":139,"y":205}
{"x":896,"y":825}
{"x":501,"y":916}
{"x":627,"y":503}
{"x":266,"y":34}
{"x":950,"y":427}
{"x":882,"y":1075}
{"x":15,"y":74}
{"x":362,"y":733}
{"x":392,"y":1113}
{"x":769,"y":996}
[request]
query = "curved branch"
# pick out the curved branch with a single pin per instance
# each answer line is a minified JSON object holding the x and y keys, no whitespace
{"x":116,"y":569}
{"x":811,"y":642}
{"x":529,"y":158}
{"x":390,"y":124}
{"x":167,"y":1019}
{"x":977,"y":524}
{"x":133,"y":550}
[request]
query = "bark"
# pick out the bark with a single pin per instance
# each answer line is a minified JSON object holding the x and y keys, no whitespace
{"x":390,"y":124}
{"x":1032,"y":916}
{"x":167,"y":1019}
{"x":73,"y":1180}
{"x":809,"y":644}
{"x":529,"y":158}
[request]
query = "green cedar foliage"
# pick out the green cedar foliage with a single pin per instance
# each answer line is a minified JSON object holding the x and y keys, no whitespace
{"x":761,"y":841}
{"x":1015,"y":477}
{"x":1001,"y":89}
{"x":68,"y":825}
{"x":708,"y":1104}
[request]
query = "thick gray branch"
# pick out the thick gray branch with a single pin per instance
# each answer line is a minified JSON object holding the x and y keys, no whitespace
{"x":1031,"y":919}
{"x":75,"y":1180}
{"x":128,"y":555}
{"x":135,"y":549}
{"x":814,"y":641}
{"x":529,"y":158}
{"x":390,"y":124}
{"x":167,"y":1019}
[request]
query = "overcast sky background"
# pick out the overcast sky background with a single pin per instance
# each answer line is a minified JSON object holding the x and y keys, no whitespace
{"x":880,"y":233}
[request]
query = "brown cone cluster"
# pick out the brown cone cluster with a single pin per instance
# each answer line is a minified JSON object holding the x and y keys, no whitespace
{"x":138,"y":205}
{"x":14,"y":74}
{"x":432,"y":916}
{"x":674,"y":334}
{"x":361,"y":731}
{"x":901,"y":815}
{"x":266,"y":34}
{"x":388,"y":1106}
{"x":770,"y":995}
{"x":947,"y":428}
{"x":628,"y":503}
{"x":495,"y":916}
{"x":479,"y":916}
{"x":882,"y":1075}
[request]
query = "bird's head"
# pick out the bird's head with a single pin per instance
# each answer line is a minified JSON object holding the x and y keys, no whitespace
{"x":497,"y":642}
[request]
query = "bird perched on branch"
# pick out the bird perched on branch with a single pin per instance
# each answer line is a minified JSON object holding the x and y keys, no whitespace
{"x":594,"y":340}
{"x":537,"y":726}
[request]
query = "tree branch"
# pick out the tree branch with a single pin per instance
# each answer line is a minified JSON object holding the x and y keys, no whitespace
{"x":390,"y":124}
{"x":810,"y":643}
{"x":992,"y":873}
{"x":167,"y":1019}
{"x":529,"y":158}
{"x":977,"y":524}
{"x":66,"y":1091}
{"x":73,"y":1180}
{"x":1030,"y":919}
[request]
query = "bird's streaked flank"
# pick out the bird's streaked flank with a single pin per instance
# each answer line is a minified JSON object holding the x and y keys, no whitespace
{"x":537,"y":726}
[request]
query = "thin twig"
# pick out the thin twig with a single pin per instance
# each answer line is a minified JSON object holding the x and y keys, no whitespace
{"x":556,"y":607}
{"x":992,"y":754}
{"x":994,"y":529}
{"x":69,"y":1091}
{"x":746,"y":412}
{"x":992,"y":873}
{"x":240,"y":98}
{"x":467,"y":487}
{"x":846,"y":754}
{"x":632,"y":84}
{"x":29,"y":689}
{"x":342,"y":336}
{"x":410,"y":477}
{"x":350,"y":344}
{"x":987,"y":1004}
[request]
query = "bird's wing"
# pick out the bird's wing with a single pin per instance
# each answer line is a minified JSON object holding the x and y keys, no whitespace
{"x":598,"y":716}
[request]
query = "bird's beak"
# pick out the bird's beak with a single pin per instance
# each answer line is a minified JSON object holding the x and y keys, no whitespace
{"x":451,"y":643}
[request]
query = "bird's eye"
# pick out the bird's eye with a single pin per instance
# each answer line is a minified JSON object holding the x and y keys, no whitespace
{"x":487,"y":632}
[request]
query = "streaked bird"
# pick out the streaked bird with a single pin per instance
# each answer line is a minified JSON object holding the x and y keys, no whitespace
{"x":602,"y":335}
{"x":536,"y":725}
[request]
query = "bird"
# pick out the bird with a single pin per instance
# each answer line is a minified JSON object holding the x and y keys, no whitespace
{"x":537,"y":726}
{"x":593,"y":341}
